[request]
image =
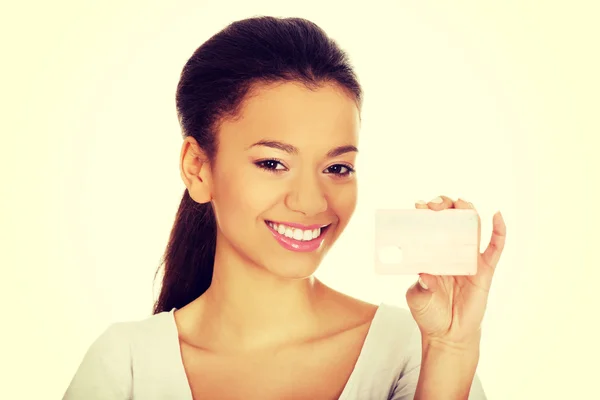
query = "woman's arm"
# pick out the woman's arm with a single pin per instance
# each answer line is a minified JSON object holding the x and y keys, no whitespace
{"x":449,"y":311}
{"x":432,"y":370}
{"x":447,"y":371}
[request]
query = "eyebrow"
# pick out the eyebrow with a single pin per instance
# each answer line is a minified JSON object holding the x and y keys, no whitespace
{"x":288,"y":148}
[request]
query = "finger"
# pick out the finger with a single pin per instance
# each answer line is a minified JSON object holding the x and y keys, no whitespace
{"x":422,"y":205}
{"x":492,"y":254}
{"x":441,"y":203}
{"x":427,"y":282}
{"x":419,"y":294}
{"x":464,"y":204}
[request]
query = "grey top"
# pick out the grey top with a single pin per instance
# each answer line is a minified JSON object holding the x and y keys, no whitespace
{"x":142,"y":360}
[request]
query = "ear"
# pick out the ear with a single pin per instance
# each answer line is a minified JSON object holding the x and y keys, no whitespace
{"x":195,"y":171}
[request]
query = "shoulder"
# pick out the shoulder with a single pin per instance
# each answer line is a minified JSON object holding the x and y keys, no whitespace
{"x":397,"y":341}
{"x":398,"y":317}
{"x":342,"y":311}
{"x":106,"y":370}
{"x":390,"y":350}
{"x":111,"y":346}
{"x":390,"y":324}
{"x":395,"y":336}
{"x":121,"y":337}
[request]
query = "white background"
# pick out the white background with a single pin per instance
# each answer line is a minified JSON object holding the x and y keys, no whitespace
{"x":495,"y":102}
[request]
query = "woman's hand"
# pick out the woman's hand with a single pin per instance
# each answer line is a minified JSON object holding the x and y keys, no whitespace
{"x":449,"y":309}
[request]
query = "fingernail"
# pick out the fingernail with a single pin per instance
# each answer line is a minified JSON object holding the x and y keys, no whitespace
{"x":437,"y":200}
{"x":468,"y":202}
{"x":423,"y":285}
{"x":421,"y":202}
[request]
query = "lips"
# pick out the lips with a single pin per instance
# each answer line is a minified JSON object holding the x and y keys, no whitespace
{"x":297,"y":237}
{"x":297,"y":232}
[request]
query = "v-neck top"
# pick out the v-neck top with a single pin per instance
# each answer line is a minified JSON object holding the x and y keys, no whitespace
{"x":141,"y":360}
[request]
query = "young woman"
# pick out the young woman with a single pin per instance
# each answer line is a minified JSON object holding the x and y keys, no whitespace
{"x":270,"y":114}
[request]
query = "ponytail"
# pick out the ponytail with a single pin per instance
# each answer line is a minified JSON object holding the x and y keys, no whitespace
{"x":189,"y":256}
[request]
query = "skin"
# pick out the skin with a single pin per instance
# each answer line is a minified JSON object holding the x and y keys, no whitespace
{"x":265,"y":322}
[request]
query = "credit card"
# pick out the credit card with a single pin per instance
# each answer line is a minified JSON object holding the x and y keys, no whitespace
{"x":412,"y":241}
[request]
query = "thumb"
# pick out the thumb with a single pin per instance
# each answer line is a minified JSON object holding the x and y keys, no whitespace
{"x":419,"y":294}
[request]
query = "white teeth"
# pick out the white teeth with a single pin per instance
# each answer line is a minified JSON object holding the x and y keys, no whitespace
{"x":296,"y":234}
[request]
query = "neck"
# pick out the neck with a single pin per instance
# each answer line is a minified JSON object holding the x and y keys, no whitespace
{"x":248,"y":308}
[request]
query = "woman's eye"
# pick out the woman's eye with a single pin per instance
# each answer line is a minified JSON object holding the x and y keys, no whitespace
{"x":340,"y":169}
{"x":270,"y":165}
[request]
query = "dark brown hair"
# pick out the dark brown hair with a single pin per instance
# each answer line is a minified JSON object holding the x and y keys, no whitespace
{"x":213,"y":84}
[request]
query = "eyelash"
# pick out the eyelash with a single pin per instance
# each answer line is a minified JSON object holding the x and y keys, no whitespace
{"x":262,"y":164}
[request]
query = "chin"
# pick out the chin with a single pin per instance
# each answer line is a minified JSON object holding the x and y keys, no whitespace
{"x":293,"y":267}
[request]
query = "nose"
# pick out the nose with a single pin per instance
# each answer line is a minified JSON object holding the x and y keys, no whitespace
{"x":306,"y":196}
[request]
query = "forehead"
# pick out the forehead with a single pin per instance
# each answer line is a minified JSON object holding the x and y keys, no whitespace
{"x":290,"y":112}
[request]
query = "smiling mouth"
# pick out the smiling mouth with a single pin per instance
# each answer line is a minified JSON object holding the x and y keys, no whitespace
{"x":298,"y":234}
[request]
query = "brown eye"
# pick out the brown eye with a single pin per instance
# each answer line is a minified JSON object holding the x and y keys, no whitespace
{"x":340,"y":169}
{"x":270,"y":165}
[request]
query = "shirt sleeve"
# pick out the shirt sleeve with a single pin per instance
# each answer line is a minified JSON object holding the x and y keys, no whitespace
{"x":105,"y":372}
{"x":406,"y":386}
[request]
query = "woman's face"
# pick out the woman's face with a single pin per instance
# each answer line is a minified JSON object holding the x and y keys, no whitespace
{"x":283,"y":184}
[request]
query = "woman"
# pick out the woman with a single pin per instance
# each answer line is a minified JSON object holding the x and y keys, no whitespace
{"x":270,"y":113}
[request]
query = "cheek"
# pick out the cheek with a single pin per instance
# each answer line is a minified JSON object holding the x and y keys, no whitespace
{"x":342,"y":201}
{"x":240,"y":198}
